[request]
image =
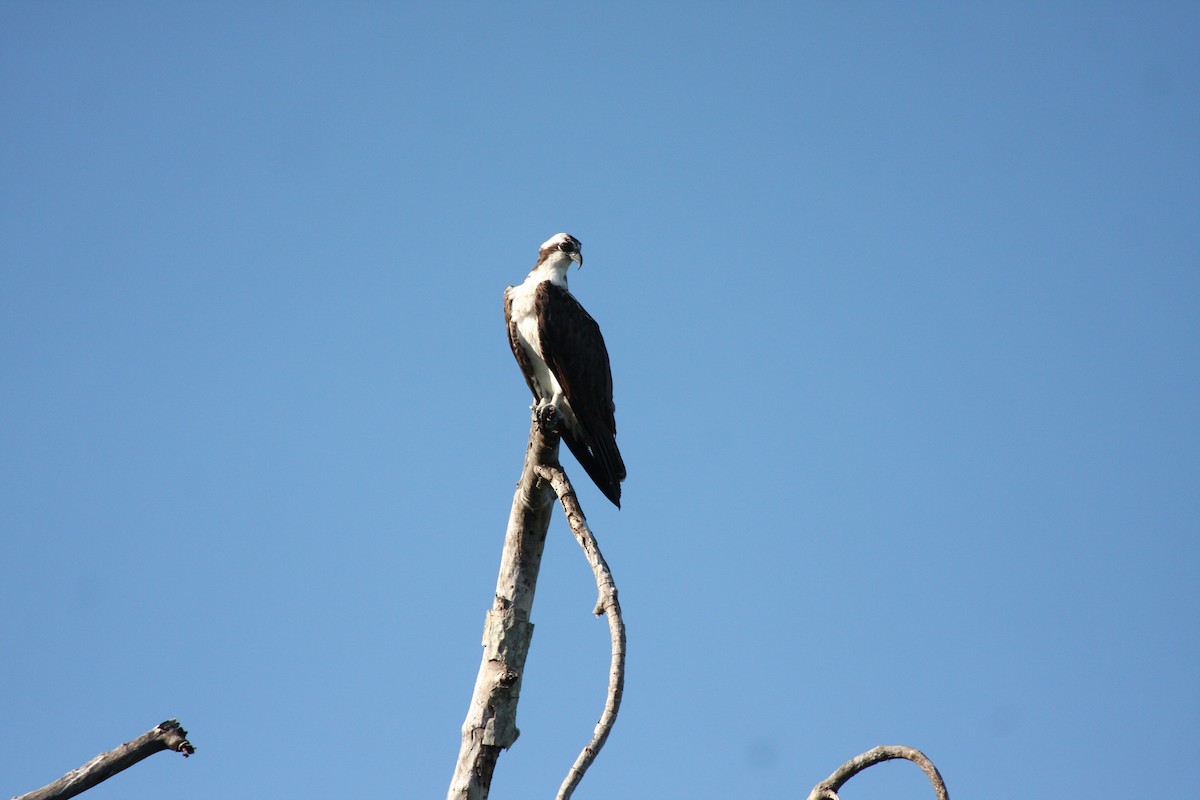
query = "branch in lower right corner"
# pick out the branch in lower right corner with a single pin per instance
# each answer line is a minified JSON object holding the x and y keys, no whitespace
{"x":828,"y":788}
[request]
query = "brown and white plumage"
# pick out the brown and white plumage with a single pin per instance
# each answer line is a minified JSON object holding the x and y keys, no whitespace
{"x":561,"y":351}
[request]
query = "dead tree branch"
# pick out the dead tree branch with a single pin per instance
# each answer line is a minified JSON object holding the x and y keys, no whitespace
{"x":606,"y":604}
{"x":167,"y":736}
{"x":828,"y":788}
{"x":491,"y":723}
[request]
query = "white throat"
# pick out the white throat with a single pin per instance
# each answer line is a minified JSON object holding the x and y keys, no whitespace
{"x":553,"y":269}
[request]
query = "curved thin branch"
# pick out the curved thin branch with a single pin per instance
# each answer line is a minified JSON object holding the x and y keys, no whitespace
{"x":167,"y":735}
{"x":828,"y":788}
{"x":606,"y":604}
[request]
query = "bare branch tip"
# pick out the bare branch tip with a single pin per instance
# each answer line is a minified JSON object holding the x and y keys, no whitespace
{"x":175,"y":737}
{"x":828,"y":787}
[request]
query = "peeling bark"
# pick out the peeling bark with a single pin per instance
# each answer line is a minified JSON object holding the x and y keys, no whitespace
{"x":491,"y":723}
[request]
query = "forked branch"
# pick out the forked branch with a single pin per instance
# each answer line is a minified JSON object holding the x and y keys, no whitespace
{"x":168,"y":735}
{"x":828,"y":788}
{"x":606,"y":604}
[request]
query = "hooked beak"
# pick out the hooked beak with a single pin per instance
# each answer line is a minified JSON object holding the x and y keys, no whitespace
{"x":577,"y":257}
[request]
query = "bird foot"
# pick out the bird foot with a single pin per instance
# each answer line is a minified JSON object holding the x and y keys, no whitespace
{"x":547,"y":417}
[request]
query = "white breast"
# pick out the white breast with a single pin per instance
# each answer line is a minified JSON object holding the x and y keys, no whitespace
{"x":526,"y":322}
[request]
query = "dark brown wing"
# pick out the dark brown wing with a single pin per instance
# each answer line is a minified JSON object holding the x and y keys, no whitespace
{"x":573,"y":348}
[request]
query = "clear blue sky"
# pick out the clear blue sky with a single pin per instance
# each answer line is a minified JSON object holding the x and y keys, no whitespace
{"x":903,"y":302}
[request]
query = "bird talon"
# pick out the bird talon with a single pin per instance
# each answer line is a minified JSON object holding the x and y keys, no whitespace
{"x":547,"y":418}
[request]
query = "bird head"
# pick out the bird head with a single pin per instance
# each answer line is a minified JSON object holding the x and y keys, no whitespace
{"x":563,"y":243}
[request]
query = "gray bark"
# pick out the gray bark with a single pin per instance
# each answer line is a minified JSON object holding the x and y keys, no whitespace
{"x":166,"y":736}
{"x":828,"y":788}
{"x":491,"y":723}
{"x":606,"y":604}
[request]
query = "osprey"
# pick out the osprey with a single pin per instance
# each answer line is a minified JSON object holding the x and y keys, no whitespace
{"x":559,"y":348}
